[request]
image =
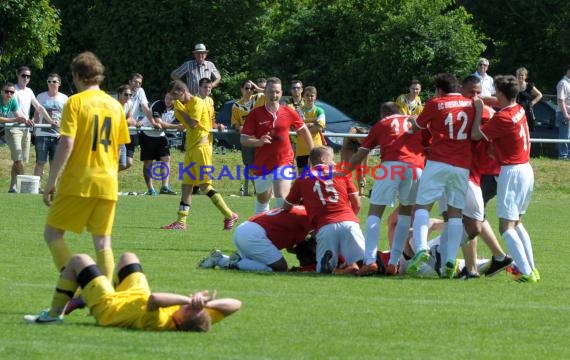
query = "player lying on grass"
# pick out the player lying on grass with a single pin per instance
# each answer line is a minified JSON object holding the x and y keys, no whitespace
{"x":132,"y":304}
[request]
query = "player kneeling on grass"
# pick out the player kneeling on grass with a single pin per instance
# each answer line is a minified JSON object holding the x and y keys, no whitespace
{"x":332,"y":205}
{"x":260,"y":239}
{"x":131,"y":304}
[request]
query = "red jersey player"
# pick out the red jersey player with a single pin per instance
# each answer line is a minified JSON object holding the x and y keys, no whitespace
{"x":403,"y":158}
{"x":260,"y":239}
{"x":508,"y":129}
{"x":449,"y":116}
{"x":267,"y":129}
{"x":332,"y":204}
{"x":474,"y":210}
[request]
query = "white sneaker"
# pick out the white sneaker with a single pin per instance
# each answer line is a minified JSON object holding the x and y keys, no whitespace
{"x":211,"y":261}
{"x":43,"y":318}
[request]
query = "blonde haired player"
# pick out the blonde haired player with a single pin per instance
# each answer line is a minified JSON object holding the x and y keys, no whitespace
{"x":192,"y":112}
{"x":93,"y":127}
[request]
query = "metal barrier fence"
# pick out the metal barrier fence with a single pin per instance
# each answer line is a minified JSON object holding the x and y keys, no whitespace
{"x":230,"y":131}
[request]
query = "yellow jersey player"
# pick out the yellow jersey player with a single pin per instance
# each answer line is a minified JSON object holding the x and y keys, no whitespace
{"x":314,"y":117}
{"x":132,"y":304}
{"x":93,"y":127}
{"x":192,"y":112}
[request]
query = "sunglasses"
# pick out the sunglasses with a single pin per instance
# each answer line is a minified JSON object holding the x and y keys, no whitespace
{"x":483,"y":64}
{"x":248,"y":89}
{"x":26,"y":76}
{"x":9,"y":92}
{"x":53,"y":82}
{"x":296,"y":88}
{"x":127,"y":94}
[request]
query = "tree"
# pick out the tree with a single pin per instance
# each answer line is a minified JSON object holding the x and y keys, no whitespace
{"x":361,"y":53}
{"x":530,"y":33}
{"x":154,"y":37}
{"x":29,"y":33}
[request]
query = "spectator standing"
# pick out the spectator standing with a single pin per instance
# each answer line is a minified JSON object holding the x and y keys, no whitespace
{"x":46,"y":139}
{"x":93,"y":126}
{"x":508,"y":129}
{"x":528,"y":96}
{"x":240,"y":111}
{"x":124,"y":95}
{"x":192,"y":113}
{"x":296,"y":99}
{"x":196,"y":69}
{"x":140,"y":111}
{"x":314,"y":117}
{"x":205,"y":94}
{"x":487,"y":83}
{"x":267,"y":129}
{"x":9,"y":109}
{"x":18,"y":139}
{"x":154,"y":143}
{"x":563,"y":117}
{"x":411,"y":103}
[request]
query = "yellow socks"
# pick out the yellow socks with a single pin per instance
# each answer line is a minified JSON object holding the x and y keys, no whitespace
{"x":60,"y":253}
{"x":182,"y":216}
{"x":218,"y":201}
{"x":64,"y":291}
{"x":106,"y":262}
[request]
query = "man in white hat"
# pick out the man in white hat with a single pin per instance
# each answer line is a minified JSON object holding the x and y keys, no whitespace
{"x":196,"y":69}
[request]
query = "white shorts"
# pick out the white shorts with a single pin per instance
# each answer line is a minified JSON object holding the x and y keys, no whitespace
{"x":392,"y":180}
{"x":474,"y":207}
{"x":265,"y":182}
{"x":514,"y":190}
{"x":440,"y":178}
{"x":344,"y":238}
{"x":252,"y":243}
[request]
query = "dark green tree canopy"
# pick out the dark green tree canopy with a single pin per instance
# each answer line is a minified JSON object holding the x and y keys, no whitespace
{"x":28,"y":33}
{"x":357,"y":53}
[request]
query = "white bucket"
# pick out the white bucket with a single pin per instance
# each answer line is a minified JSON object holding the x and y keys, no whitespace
{"x":28,"y":184}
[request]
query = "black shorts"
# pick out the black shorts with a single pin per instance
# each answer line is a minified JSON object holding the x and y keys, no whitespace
{"x":153,"y":147}
{"x":302,"y":161}
{"x":488,"y":187}
{"x":132,"y":145}
{"x":247,"y":155}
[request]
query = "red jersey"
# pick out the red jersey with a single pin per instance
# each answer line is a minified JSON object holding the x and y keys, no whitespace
{"x":397,"y":141}
{"x":508,"y":129}
{"x":482,"y":162}
{"x":450,"y":119}
{"x":279,"y":153}
{"x":285,"y":229}
{"x":325,"y":196}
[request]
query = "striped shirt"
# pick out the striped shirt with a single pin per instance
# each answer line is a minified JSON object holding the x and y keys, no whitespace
{"x":195,"y":72}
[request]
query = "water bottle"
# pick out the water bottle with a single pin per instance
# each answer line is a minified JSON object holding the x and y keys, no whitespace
{"x":241,"y":190}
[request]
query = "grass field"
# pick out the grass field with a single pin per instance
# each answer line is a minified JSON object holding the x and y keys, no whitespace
{"x":289,"y":316}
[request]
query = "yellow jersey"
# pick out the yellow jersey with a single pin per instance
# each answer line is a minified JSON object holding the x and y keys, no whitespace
{"x":98,"y":126}
{"x":127,"y":309}
{"x":408,"y":107}
{"x":197,"y":110}
{"x":314,"y":115}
